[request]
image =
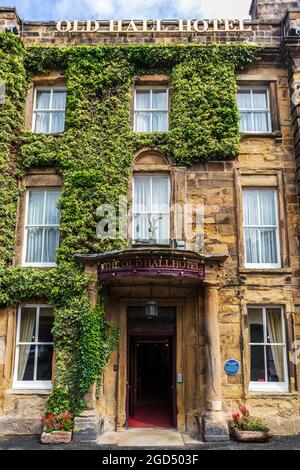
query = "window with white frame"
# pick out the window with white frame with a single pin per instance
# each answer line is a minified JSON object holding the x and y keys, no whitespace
{"x":34,"y":348}
{"x":268,"y":355}
{"x":254,"y":108}
{"x":151,"y":109}
{"x":41,"y":227}
{"x":151,"y":209}
{"x":261,"y":228}
{"x":49,"y":110}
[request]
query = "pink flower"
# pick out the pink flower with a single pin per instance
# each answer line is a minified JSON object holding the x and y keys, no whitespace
{"x":236,"y":416}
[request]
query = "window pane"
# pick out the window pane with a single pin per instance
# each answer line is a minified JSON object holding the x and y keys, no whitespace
{"x":274,"y":325}
{"x":159,"y":122}
{"x":59,"y":100}
{"x":260,"y":99}
{"x":160,"y":194}
{"x":143,"y":122}
{"x":51,"y":210}
{"x":27,"y":325}
{"x":246,"y":122}
{"x":45,"y":325}
{"x":256,"y":329}
{"x":261,"y":123}
{"x":268,"y":246}
{"x":275,"y":364}
{"x":160,"y":99}
{"x":44,"y":362}
{"x":36,"y":208}
{"x":244,"y":99}
{"x":252,"y":242}
{"x":143,"y":99}
{"x":26,"y":362}
{"x":267,"y":208}
{"x":250,"y":206}
{"x":43,"y":99}
{"x":57,"y":123}
{"x":163,"y":231}
{"x":141,"y":227}
{"x":34,"y":245}
{"x":51,"y":243}
{"x":42,"y":122}
{"x":142,"y":194}
{"x":257,"y":373}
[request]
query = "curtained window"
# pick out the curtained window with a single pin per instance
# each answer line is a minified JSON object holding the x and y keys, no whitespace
{"x":49,"y":110}
{"x":34,"y":347}
{"x":254,"y":109}
{"x":268,"y":356}
{"x":151,"y":110}
{"x":42,"y":227}
{"x":261,"y":229}
{"x":151,"y":209}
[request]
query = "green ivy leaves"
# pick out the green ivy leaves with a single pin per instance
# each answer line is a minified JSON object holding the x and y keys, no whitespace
{"x":94,"y":157}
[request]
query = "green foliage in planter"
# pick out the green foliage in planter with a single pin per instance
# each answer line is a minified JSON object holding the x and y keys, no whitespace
{"x":244,"y":422}
{"x":94,"y":157}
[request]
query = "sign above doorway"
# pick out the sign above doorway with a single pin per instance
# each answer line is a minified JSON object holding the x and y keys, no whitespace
{"x":171,"y":263}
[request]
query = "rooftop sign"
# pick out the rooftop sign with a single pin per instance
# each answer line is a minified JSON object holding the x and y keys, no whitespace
{"x":152,"y":26}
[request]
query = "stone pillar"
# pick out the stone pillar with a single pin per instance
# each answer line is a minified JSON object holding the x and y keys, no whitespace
{"x":214,"y":426}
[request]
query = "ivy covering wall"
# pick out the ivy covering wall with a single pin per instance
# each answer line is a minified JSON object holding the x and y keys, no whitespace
{"x":94,"y":157}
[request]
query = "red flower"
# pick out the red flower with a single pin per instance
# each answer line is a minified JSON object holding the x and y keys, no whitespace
{"x":236,"y":416}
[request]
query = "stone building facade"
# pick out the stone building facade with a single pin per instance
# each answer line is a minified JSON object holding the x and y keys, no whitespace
{"x":217,"y":303}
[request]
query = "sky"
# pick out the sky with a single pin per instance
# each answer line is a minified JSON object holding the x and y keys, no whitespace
{"x":129,"y":9}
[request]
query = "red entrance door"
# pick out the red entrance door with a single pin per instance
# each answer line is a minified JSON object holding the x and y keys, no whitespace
{"x":151,"y":387}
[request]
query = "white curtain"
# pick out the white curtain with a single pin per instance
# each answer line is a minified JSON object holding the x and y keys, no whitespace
{"x":244,"y":99}
{"x":156,"y":119}
{"x":43,"y":99}
{"x":254,"y":110}
{"x":47,"y":121}
{"x":59,"y":100}
{"x":42,"y":241}
{"x":151,"y":208}
{"x":259,"y":213}
{"x":51,"y":210}
{"x":260,"y":122}
{"x":275,"y":334}
{"x":260,"y":99}
{"x":27,"y":328}
{"x":142,"y":207}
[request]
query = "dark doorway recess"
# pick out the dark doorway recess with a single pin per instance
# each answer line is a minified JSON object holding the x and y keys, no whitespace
{"x":151,"y":397}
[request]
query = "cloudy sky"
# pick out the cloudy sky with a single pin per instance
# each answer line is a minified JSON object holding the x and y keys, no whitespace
{"x":129,"y":9}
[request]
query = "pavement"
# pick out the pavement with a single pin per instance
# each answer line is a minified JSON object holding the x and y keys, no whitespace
{"x":144,"y":441}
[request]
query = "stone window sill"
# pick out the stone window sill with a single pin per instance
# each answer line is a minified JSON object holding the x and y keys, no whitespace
{"x":265,"y":271}
{"x":27,"y":392}
{"x":271,"y":135}
{"x":272,"y":394}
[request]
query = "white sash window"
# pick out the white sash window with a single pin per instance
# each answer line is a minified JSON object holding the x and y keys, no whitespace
{"x":49,"y":110}
{"x":261,"y":228}
{"x":151,"y":110}
{"x":254,"y":108}
{"x":41,"y":228}
{"x":34,"y":348}
{"x":268,"y":355}
{"x":151,"y":209}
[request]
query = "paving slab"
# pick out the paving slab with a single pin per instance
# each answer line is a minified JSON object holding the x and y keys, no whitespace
{"x":150,"y":438}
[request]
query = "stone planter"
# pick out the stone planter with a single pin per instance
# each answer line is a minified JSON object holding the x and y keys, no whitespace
{"x":250,"y":436}
{"x":56,"y":437}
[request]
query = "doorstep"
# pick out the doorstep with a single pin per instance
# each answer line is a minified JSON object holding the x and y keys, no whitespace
{"x":147,"y":437}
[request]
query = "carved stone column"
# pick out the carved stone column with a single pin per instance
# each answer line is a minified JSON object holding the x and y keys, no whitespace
{"x":214,"y":425}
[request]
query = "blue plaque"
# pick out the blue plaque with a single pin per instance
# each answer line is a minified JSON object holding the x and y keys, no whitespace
{"x":232,"y":367}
